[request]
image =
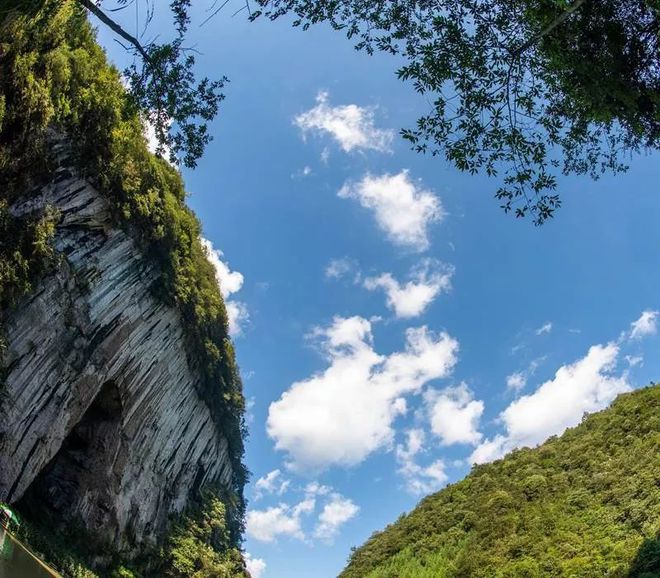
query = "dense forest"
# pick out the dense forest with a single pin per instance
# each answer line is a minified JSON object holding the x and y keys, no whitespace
{"x":586,"y":504}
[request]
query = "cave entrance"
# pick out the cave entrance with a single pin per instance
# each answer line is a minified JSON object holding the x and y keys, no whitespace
{"x":80,"y":481}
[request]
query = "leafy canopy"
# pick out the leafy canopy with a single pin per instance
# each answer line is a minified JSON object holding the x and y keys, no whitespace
{"x":519,"y":89}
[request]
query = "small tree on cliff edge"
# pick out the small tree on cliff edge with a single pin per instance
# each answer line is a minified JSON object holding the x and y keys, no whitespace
{"x":521,"y":90}
{"x":162,"y":83}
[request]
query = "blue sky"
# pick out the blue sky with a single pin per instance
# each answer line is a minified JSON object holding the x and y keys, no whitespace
{"x":393,"y":325}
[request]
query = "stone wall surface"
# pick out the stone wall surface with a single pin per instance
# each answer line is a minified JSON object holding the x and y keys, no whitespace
{"x":101,"y":419}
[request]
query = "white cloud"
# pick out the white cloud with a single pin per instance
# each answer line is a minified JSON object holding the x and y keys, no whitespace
{"x":302,"y":173}
{"x":518,"y":380}
{"x":237,"y":315}
{"x":454,"y":415}
{"x":149,"y":132}
{"x":403,"y":209}
{"x":316,"y":489}
{"x":272,"y":483}
{"x":335,"y":513}
{"x":646,"y":325}
{"x":249,"y":408}
{"x":491,"y":449}
{"x":415,"y":439}
{"x":307,"y":506}
{"x":341,"y":415}
{"x":269,"y":524}
{"x":350,"y":125}
{"x":411,"y":299}
{"x":634,"y":360}
{"x":588,"y":385}
{"x":339,"y":268}
{"x":419,"y":479}
{"x":255,"y":566}
{"x":545,"y":328}
{"x":230,"y":282}
{"x":282,"y":520}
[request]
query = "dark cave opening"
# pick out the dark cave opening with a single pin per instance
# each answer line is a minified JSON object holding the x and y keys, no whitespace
{"x":79,"y":482}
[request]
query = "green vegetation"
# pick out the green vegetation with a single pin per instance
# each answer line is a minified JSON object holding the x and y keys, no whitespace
{"x":55,"y":80}
{"x":584,"y":505}
{"x":199,"y":545}
{"x":519,"y":90}
{"x":63,"y":553}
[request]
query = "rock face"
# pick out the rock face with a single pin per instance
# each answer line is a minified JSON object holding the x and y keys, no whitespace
{"x":101,"y":420}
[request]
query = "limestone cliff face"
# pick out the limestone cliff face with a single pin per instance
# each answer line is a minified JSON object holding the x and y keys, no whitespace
{"x":101,"y":420}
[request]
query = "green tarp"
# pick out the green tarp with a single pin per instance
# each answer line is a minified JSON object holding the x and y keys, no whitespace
{"x":9,"y":514}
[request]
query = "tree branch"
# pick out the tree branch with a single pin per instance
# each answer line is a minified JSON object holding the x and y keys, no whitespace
{"x":110,"y":23}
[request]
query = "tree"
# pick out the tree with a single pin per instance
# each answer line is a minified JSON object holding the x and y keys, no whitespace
{"x":162,"y":83}
{"x":519,"y":88}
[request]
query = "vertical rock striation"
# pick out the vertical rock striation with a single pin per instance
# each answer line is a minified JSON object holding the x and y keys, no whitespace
{"x":101,"y":419}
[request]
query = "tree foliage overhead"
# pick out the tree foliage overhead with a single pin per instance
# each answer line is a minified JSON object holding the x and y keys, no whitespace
{"x":521,"y":90}
{"x":584,"y":505}
{"x":518,"y":89}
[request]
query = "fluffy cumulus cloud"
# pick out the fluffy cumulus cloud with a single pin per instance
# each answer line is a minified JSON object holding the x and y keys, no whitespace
{"x":344,"y":413}
{"x":335,"y":513}
{"x":588,"y":385}
{"x":419,"y":479}
{"x":230,"y":282}
{"x":410,"y":299}
{"x":645,"y":325}
{"x":454,"y":415}
{"x":255,"y":566}
{"x":282,"y":520}
{"x":272,"y":483}
{"x":403,"y":209}
{"x":269,"y":524}
{"x":518,"y":379}
{"x":352,"y":126}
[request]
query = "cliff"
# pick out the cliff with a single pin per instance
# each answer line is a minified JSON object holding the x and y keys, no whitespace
{"x":120,"y":399}
{"x":103,"y":419}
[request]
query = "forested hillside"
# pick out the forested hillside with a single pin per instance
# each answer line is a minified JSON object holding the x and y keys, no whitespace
{"x":586,"y":504}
